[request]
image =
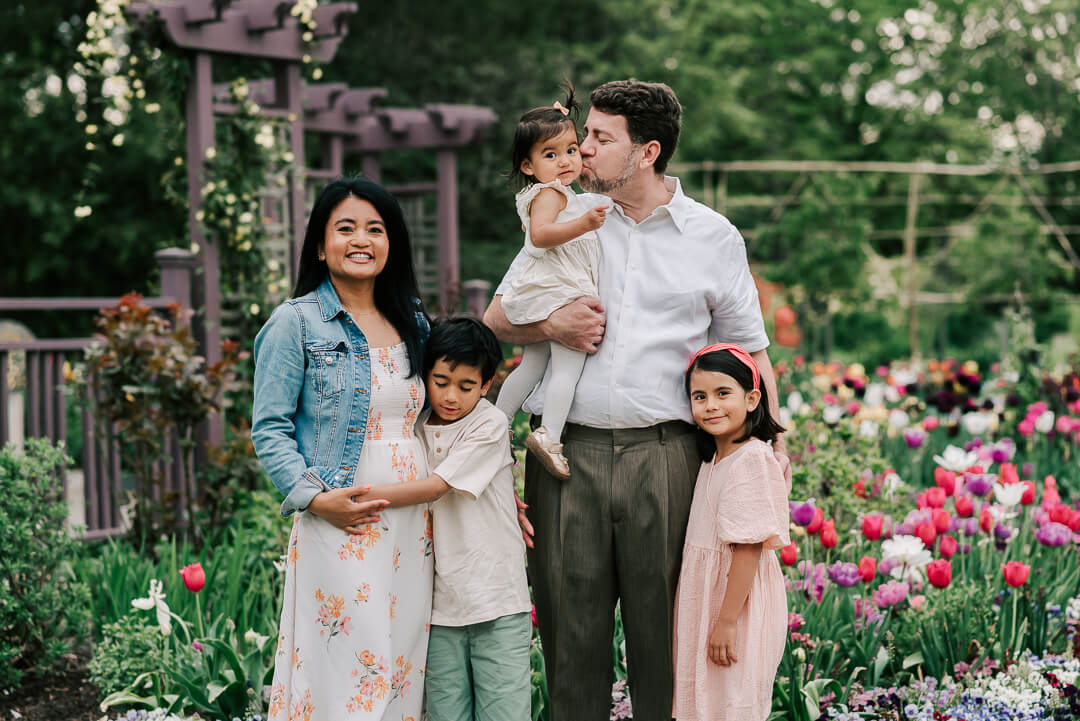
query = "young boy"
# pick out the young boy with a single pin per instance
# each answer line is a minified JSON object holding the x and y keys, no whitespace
{"x":478,"y":652}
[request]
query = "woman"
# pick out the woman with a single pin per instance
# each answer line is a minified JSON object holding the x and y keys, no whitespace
{"x":337,"y":388}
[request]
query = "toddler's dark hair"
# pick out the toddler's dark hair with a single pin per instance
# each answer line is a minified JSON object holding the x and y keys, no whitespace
{"x":759,"y":422}
{"x":538,"y":125}
{"x":463,"y":340}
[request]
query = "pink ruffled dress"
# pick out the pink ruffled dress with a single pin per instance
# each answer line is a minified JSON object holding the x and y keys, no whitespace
{"x":742,"y":498}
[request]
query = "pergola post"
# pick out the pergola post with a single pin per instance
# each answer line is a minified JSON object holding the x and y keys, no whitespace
{"x":200,"y":137}
{"x":449,"y":282}
{"x":369,"y":166}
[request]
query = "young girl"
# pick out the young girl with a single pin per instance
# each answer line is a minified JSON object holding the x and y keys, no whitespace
{"x":731,"y":606}
{"x":564,"y":255}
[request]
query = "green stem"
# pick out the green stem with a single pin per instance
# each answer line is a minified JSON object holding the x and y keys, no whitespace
{"x":198,"y":616}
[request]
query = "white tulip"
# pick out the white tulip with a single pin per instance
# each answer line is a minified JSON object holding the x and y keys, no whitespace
{"x":1045,"y":422}
{"x":956,"y":459}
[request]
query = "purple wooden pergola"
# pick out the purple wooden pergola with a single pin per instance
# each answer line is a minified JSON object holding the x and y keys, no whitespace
{"x":349,"y":120}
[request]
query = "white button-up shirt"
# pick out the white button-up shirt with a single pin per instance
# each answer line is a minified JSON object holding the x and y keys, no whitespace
{"x":674,"y":282}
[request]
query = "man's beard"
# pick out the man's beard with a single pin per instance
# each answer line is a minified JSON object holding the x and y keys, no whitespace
{"x":606,"y":186}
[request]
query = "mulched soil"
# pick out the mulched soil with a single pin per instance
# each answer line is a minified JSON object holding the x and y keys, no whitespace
{"x":67,"y":695}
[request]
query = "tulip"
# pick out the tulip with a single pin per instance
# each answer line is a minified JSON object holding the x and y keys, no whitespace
{"x":1015,"y":573}
{"x":948,"y":546}
{"x":1074,"y":521}
{"x":986,"y":519}
{"x":1029,"y":493}
{"x":977,"y":484}
{"x":945,"y":479}
{"x":930,"y":423}
{"x":926,"y":533}
{"x":872,"y":527}
{"x":815,"y":524}
{"x":794,"y":621}
{"x":941,"y":519}
{"x":890,"y":594}
{"x":939,"y":573}
{"x":964,"y":506}
{"x":867,"y":568}
{"x":1049,"y":482}
{"x":914,"y":437}
{"x":860,"y":488}
{"x":1053,"y":534}
{"x":935,"y":497}
{"x":1008,"y":473}
{"x":1026,"y":427}
{"x":844,"y":574}
{"x":1060,"y":513}
{"x":534,"y":616}
{"x":921,"y":500}
{"x":194,"y":577}
{"x":828,"y":534}
{"x":1050,"y":497}
{"x":789,"y":554}
{"x":802,"y":513}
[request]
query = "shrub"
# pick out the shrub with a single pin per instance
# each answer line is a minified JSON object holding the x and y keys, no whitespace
{"x":128,"y":648}
{"x":43,"y":608}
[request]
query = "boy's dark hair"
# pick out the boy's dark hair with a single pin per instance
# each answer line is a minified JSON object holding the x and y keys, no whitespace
{"x":651,"y":110}
{"x":759,"y":422}
{"x":463,"y":340}
{"x":537,"y":125}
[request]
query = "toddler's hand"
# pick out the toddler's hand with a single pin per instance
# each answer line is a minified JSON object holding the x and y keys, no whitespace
{"x":595,"y":217}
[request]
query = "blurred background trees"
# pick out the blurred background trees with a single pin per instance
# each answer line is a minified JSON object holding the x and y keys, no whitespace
{"x":952,"y":82}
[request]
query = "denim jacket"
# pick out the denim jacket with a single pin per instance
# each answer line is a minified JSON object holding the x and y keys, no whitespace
{"x":312,"y":391}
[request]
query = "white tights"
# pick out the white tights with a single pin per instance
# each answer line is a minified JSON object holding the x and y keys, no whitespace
{"x":566,"y":365}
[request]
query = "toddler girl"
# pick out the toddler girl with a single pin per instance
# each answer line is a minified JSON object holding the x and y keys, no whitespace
{"x":731,"y":605}
{"x":563,"y":258}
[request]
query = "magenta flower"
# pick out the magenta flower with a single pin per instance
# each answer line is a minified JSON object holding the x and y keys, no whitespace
{"x":1053,"y":534}
{"x":890,"y":594}
{"x":844,"y":574}
{"x":914,"y":437}
{"x":794,"y":621}
{"x":979,"y":484}
{"x":1003,"y":450}
{"x":802,"y":513}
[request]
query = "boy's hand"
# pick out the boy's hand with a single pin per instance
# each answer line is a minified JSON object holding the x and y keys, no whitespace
{"x":527,"y":531}
{"x":721,"y":649}
{"x":595,"y":217}
{"x":341,"y":508}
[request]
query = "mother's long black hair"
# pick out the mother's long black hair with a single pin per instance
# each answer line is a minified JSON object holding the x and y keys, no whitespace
{"x":759,"y":422}
{"x":396,"y":294}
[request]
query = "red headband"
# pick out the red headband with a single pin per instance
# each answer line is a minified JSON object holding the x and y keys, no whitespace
{"x":736,"y":350}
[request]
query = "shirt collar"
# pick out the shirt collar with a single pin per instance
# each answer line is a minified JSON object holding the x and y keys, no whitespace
{"x":678,"y":208}
{"x":329,"y":303}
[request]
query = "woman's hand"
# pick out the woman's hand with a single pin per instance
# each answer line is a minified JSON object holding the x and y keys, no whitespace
{"x":721,"y":648}
{"x":340,"y":508}
{"x":527,"y":531}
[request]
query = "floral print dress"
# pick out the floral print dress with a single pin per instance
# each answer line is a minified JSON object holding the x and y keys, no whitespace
{"x":356,"y":611}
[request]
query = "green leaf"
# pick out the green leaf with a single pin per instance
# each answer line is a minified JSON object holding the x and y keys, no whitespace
{"x":913,"y":660}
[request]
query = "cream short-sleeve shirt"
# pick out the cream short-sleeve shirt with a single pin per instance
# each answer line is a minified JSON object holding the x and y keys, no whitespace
{"x":479,"y":552}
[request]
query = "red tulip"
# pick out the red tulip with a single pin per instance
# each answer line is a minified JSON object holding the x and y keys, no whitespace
{"x":941,"y":519}
{"x":194,"y":577}
{"x":867,"y":568}
{"x":815,"y":525}
{"x":946,"y":480}
{"x":930,"y":423}
{"x":1029,"y":493}
{"x":860,"y":488}
{"x":927,"y":533}
{"x":789,"y":554}
{"x":948,"y":546}
{"x":1059,"y":513}
{"x":1074,"y":521}
{"x":828,"y":534}
{"x":964,"y":506}
{"x":939,"y":573}
{"x":921,"y":501}
{"x":935,"y":497}
{"x":1050,"y":497}
{"x":976,"y":469}
{"x":872,"y":527}
{"x":1008,"y":473}
{"x":1015,"y":573}
{"x":986,"y":519}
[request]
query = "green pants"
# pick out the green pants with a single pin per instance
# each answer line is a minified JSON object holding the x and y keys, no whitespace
{"x":480,"y":672}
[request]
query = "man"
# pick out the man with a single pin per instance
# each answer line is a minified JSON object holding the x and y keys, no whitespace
{"x":673,"y":278}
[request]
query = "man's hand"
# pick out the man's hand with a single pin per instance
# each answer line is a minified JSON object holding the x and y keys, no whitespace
{"x":340,"y":508}
{"x":527,"y":531}
{"x":579,"y":325}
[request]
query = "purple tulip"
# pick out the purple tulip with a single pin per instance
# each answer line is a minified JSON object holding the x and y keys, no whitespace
{"x":886,"y":565}
{"x":844,"y":574}
{"x":802,"y":513}
{"x":890,"y":594}
{"x":1002,"y":532}
{"x":979,"y":484}
{"x":904,"y":529}
{"x":1003,"y":451}
{"x":1053,"y":534}
{"x":914,"y":437}
{"x":971,"y":527}
{"x":1027,"y":470}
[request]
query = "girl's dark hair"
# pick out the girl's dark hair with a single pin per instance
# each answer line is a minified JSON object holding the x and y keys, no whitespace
{"x":759,"y":422}
{"x":463,"y":340}
{"x":396,"y":294}
{"x":538,"y":125}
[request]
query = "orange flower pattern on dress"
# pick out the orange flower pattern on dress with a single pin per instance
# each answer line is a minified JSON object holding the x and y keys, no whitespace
{"x":384,"y":358}
{"x":397,"y":558}
{"x":403,"y":463}
{"x":330,"y":617}
{"x":277,"y":699}
{"x":374,"y":427}
{"x":363,"y":593}
{"x":393,"y":602}
{"x":372,"y":684}
{"x":302,"y":709}
{"x":412,"y":410}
